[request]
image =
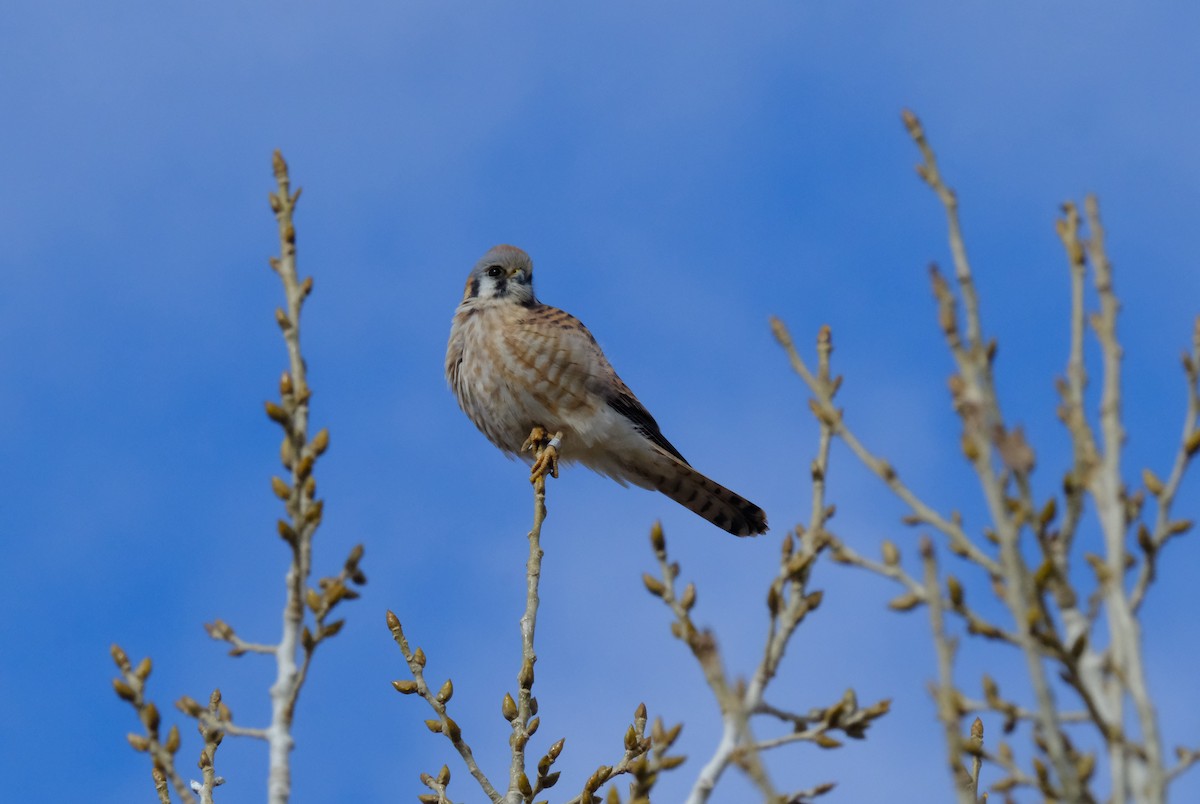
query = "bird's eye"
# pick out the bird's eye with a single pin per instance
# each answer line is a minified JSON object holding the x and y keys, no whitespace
{"x":494,"y":270}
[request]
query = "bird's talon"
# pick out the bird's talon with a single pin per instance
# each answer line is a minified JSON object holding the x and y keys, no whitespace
{"x":536,"y":436}
{"x":547,"y":459}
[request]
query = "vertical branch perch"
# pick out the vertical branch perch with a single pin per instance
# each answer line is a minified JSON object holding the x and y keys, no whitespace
{"x":299,"y":456}
{"x":522,"y":725}
{"x":303,"y":511}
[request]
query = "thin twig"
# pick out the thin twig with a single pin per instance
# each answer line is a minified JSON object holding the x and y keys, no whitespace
{"x":443,"y":724}
{"x":980,"y":410}
{"x":1107,"y":491}
{"x":131,"y":687}
{"x":826,"y":413}
{"x":1166,"y":528}
{"x":303,"y":511}
{"x":944,"y":690}
{"x":788,"y":603}
{"x":518,"y":779}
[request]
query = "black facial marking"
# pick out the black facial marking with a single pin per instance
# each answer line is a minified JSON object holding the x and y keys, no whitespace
{"x":501,"y":285}
{"x":474,"y":287}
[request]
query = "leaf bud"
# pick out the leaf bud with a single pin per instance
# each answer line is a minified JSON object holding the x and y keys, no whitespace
{"x":276,"y":413}
{"x":525,"y":675}
{"x":1144,"y":539}
{"x":150,"y":716}
{"x":905,"y":602}
{"x":955,"y":590}
{"x":287,"y":455}
{"x":286,"y":532}
{"x":305,"y":467}
{"x":689,"y":597}
{"x":508,"y":708}
{"x":657,"y":541}
{"x":119,"y":656}
{"x":405,"y":686}
{"x":1152,"y":483}
{"x":813,"y":600}
{"x":189,"y":706}
{"x":1179,"y":526}
{"x":773,"y":599}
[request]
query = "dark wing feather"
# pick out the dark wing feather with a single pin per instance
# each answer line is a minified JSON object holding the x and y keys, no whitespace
{"x":625,"y":403}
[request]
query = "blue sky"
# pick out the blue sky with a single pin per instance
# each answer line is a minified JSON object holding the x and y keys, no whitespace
{"x":678,"y":172}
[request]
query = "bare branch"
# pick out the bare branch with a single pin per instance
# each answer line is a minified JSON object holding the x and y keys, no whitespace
{"x":443,"y":724}
{"x":945,"y":692}
{"x":131,"y":687}
{"x":788,"y":603}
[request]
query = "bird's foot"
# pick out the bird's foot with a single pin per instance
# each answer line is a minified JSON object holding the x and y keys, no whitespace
{"x":537,"y":437}
{"x":546,"y":452}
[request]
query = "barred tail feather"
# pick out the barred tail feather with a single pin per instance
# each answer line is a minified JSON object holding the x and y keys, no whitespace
{"x":725,"y":509}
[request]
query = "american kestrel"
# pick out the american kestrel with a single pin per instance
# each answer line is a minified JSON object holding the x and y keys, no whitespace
{"x":515,"y":364}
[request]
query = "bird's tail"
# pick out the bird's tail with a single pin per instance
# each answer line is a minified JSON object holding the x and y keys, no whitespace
{"x":720,"y":506}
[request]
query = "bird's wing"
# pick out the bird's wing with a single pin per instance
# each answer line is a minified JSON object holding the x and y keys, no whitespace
{"x":577,"y":366}
{"x":625,"y":403}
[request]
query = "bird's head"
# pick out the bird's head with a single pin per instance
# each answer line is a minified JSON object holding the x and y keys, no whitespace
{"x":505,"y":273}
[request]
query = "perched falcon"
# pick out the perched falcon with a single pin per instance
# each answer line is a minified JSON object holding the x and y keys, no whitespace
{"x":515,"y":363}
